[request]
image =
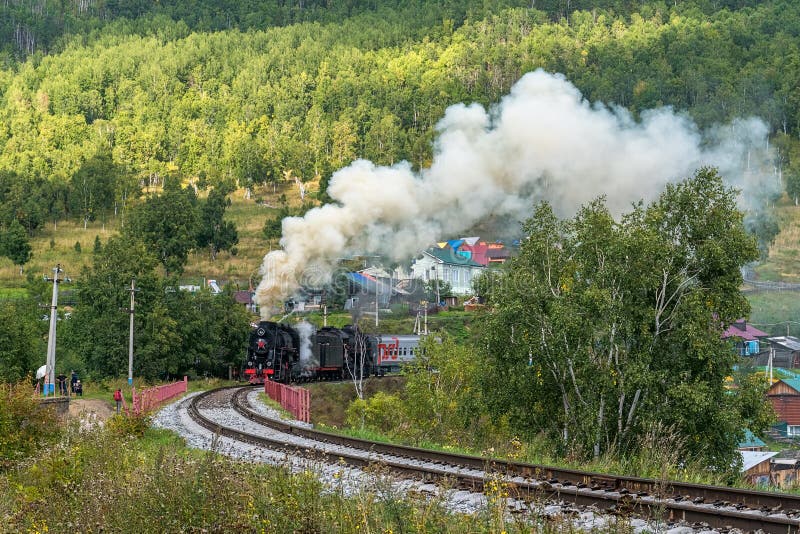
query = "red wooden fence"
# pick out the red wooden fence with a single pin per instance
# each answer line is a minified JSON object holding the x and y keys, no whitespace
{"x":296,"y":400}
{"x":150,"y":398}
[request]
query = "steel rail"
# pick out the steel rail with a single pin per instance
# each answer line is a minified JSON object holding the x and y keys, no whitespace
{"x":676,"y":501}
{"x":753,"y":499}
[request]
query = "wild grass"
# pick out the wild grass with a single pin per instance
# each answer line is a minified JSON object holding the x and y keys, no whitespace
{"x":98,"y":480}
{"x":57,"y":246}
{"x":782,"y":263}
{"x":774,"y":311}
{"x":12,"y":293}
{"x":658,"y":456}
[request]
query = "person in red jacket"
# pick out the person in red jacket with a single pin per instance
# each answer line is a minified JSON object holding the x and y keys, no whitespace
{"x":118,"y":399}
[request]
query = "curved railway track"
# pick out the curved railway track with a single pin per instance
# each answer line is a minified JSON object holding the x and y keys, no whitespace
{"x":714,"y":506}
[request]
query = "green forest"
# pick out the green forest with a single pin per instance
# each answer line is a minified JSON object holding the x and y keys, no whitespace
{"x":165,"y":91}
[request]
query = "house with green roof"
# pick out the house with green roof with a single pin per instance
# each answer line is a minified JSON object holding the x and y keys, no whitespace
{"x":751,"y":442}
{"x":446,"y":265}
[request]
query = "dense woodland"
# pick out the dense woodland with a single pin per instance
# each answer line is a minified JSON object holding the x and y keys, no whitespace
{"x":154,"y":95}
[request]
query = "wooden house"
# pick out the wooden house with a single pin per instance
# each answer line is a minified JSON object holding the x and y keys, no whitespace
{"x":785,"y":352}
{"x":785,"y":398}
{"x":445,"y":265}
{"x":746,"y":338}
{"x":756,"y":466}
{"x":751,"y":442}
{"x":784,"y":471}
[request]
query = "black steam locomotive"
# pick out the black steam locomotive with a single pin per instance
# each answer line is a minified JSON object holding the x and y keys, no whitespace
{"x":283,"y":353}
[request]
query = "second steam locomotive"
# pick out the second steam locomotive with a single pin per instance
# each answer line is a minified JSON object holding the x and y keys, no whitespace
{"x":283,"y":353}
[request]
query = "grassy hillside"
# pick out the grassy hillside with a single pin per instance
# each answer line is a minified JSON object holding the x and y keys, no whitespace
{"x":56,"y":244}
{"x":782,"y":264}
{"x":775,"y":311}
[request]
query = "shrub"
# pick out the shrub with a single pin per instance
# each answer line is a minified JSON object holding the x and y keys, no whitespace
{"x":24,"y":424}
{"x":129,"y":425}
{"x":379,"y":412}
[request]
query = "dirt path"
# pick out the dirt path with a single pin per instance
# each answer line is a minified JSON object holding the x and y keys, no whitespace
{"x":83,"y":407}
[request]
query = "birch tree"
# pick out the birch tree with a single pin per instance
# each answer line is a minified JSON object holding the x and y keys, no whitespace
{"x":617,"y":323}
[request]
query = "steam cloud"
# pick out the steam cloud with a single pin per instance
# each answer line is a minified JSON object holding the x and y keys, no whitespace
{"x":305,"y":331}
{"x":543,"y":141}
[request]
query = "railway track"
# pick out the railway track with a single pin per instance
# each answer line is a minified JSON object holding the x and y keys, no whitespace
{"x":712,"y":506}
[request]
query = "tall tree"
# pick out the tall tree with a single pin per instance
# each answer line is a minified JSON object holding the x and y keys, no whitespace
{"x":21,"y":342}
{"x":604,"y":328}
{"x":176,"y":332}
{"x":95,"y":185}
{"x":213,"y":231}
{"x":167,"y":224}
{"x":97,"y":334}
{"x":15,"y":245}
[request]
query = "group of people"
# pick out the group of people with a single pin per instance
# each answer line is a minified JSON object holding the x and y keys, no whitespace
{"x":76,"y":388}
{"x":75,"y":385}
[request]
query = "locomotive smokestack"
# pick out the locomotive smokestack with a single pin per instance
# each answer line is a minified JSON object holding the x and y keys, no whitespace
{"x":543,"y":141}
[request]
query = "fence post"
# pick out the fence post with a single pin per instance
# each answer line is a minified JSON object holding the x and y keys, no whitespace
{"x":295,"y":400}
{"x":307,"y":404}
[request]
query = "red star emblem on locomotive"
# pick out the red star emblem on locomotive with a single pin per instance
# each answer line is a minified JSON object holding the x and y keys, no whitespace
{"x":261,"y":344}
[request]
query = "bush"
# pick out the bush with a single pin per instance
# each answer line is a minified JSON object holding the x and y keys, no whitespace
{"x":129,"y":425}
{"x":379,"y":412}
{"x":24,"y":424}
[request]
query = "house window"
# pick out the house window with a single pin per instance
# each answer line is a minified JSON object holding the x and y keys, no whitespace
{"x":793,"y":430}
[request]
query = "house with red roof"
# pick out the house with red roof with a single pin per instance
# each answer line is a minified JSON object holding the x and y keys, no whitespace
{"x":746,"y":337}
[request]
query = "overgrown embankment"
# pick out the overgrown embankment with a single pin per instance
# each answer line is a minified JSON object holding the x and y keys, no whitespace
{"x":329,"y":401}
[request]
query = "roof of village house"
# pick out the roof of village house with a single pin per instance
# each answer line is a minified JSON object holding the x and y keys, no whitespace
{"x":370,"y":284}
{"x":744,"y":331}
{"x":493,"y":253}
{"x":750,"y":459}
{"x":750,"y":440}
{"x":377,"y":272}
{"x":449,"y":256}
{"x":243,"y":297}
{"x":789,"y":342}
{"x":793,"y":383}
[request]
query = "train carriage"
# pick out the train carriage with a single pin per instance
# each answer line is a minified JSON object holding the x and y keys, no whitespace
{"x":274,"y":353}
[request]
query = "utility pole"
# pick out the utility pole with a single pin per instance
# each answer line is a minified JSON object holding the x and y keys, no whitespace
{"x":436,"y":275}
{"x":324,"y":309}
{"x":130,"y":310}
{"x":769,"y":365}
{"x":51,"y":338}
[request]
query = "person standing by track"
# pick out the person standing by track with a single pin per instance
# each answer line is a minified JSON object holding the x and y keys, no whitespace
{"x":118,"y":399}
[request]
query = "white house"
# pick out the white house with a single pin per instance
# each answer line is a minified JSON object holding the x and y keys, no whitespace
{"x":448,"y":266}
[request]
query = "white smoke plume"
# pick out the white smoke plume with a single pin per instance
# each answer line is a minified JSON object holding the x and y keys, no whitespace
{"x":543,"y":141}
{"x":305,"y":330}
